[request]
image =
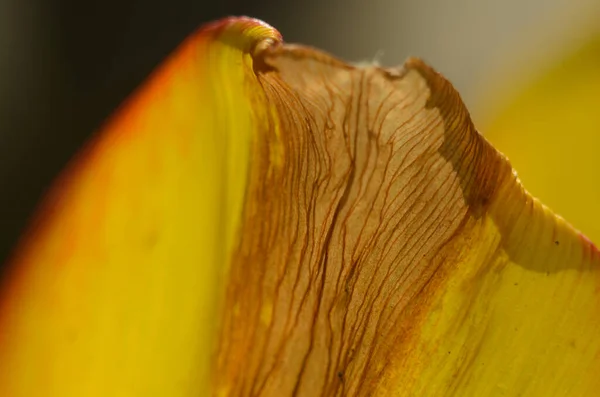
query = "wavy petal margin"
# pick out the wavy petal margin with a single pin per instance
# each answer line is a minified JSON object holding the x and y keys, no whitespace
{"x":263,"y":219}
{"x":549,"y":126}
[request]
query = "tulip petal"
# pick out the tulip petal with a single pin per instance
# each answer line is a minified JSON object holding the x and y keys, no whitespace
{"x":264,"y":219}
{"x":550,"y":129}
{"x":115,"y":290}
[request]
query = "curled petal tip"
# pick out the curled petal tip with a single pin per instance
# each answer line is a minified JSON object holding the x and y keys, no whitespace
{"x":247,"y":34}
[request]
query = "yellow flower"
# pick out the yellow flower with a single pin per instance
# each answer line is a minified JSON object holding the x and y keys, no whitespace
{"x":264,"y":219}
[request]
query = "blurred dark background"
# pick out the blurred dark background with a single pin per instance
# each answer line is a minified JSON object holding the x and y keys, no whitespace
{"x":65,"y":65}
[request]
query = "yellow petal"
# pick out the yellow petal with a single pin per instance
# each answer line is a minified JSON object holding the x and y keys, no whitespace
{"x":115,"y":290}
{"x":551,"y":132}
{"x":263,"y":219}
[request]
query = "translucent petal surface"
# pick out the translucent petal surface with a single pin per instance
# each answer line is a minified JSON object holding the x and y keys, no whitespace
{"x":263,"y":219}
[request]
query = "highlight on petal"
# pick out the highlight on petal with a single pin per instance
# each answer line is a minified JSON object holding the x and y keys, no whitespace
{"x":264,"y":219}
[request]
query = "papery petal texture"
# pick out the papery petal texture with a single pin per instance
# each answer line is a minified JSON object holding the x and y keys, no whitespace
{"x":264,"y":219}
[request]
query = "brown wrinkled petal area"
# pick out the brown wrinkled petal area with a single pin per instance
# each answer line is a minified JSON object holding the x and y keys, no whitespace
{"x":345,"y":240}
